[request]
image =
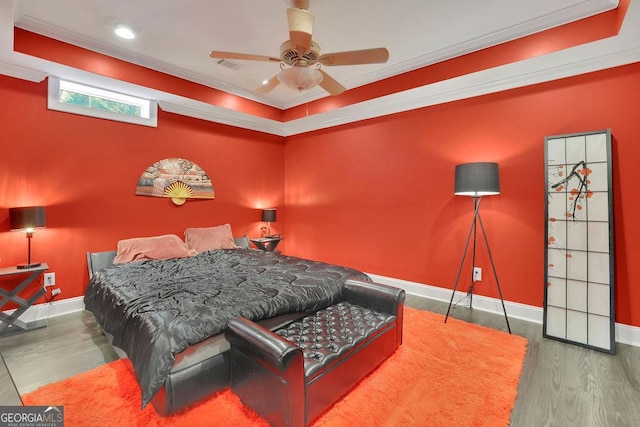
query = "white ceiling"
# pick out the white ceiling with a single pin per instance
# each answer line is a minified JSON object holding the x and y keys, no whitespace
{"x":176,"y":36}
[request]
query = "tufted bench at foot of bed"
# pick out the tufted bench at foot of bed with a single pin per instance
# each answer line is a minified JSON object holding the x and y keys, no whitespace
{"x":292,"y":375}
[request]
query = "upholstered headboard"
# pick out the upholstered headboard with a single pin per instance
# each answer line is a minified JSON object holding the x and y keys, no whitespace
{"x":242,"y":242}
{"x":99,"y":260}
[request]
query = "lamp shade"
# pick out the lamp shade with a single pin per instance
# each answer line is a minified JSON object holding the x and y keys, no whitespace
{"x":477,"y":179}
{"x":27,"y":217}
{"x":268,"y":215}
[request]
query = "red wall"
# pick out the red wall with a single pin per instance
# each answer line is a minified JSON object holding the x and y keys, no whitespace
{"x":378,"y":195}
{"x":375,"y":195}
{"x":85,"y":170}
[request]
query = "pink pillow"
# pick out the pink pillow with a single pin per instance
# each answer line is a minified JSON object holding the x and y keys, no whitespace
{"x":157,"y":247}
{"x":210,"y":238}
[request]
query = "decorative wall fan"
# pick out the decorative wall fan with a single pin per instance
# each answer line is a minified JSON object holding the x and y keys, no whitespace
{"x":176,"y":178}
{"x":300,"y":58}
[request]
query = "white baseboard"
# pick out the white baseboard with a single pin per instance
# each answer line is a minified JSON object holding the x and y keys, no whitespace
{"x":51,"y":309}
{"x":625,"y":334}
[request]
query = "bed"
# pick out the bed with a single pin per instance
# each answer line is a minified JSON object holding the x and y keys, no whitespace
{"x":168,"y":316}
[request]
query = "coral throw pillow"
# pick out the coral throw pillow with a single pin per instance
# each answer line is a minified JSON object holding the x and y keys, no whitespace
{"x":156,"y":247}
{"x":210,"y":238}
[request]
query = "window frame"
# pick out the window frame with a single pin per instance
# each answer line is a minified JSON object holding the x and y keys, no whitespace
{"x":54,"y":103}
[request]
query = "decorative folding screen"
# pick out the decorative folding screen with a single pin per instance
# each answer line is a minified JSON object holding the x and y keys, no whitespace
{"x":579,"y":279}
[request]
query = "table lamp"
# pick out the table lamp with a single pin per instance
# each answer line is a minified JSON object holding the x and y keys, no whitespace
{"x":27,"y":219}
{"x":268,"y":216}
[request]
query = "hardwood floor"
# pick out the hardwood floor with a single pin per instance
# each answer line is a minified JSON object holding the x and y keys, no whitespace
{"x":70,"y":344}
{"x":8,"y":392}
{"x":561,"y":384}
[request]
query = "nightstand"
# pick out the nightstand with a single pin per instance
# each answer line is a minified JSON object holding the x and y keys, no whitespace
{"x":10,"y":323}
{"x":267,"y":243}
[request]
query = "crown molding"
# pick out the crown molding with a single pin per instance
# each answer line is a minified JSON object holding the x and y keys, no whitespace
{"x":578,"y":11}
{"x":511,"y":76}
{"x":39,"y":27}
{"x":213,"y":113}
{"x":616,"y":51}
{"x":607,"y":53}
{"x":550,"y":67}
{"x":24,"y":73}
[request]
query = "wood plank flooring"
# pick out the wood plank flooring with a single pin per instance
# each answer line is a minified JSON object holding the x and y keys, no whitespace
{"x":8,"y":392}
{"x":70,"y":344}
{"x":561,"y":384}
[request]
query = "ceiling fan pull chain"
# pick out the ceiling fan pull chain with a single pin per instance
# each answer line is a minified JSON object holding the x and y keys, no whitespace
{"x":307,"y":106}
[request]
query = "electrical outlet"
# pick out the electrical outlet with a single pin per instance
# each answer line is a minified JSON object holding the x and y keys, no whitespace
{"x":49,"y":279}
{"x":55,"y":292}
{"x":477,"y":274}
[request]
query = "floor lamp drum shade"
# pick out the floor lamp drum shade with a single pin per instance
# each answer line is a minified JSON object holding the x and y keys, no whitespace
{"x":477,"y":179}
{"x":27,"y":218}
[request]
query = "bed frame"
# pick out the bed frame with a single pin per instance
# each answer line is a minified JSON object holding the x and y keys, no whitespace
{"x":202,"y":369}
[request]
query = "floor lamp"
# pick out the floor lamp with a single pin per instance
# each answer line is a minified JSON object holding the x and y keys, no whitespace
{"x":477,"y":180}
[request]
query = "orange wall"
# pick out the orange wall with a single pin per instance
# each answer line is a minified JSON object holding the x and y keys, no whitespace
{"x":378,"y":195}
{"x":85,"y":170}
{"x":375,"y":195}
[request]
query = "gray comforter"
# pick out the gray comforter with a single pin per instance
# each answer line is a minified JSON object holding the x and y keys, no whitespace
{"x":155,"y":309}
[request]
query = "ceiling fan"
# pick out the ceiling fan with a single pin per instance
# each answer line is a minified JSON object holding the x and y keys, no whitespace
{"x":300,"y":58}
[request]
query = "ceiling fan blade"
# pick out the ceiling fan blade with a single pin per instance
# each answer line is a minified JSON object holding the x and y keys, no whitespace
{"x":354,"y":57}
{"x":268,"y":86}
{"x":329,"y":84}
{"x":235,"y":55}
{"x":300,"y":29}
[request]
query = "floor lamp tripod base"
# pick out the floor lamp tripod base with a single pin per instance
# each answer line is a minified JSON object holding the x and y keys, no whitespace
{"x":477,"y":219}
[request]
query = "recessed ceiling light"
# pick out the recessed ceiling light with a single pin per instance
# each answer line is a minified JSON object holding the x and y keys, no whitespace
{"x":125,"y":32}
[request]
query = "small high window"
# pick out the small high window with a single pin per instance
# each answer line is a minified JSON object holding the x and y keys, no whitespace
{"x":102,"y":103}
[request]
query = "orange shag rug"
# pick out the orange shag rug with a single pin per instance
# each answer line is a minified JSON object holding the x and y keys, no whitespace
{"x":453,"y":374}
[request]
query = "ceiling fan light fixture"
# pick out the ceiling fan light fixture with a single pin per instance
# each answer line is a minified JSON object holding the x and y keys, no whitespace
{"x":300,"y":78}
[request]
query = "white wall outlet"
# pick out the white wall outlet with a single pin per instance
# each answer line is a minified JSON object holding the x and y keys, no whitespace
{"x":477,"y":274}
{"x":55,"y":292}
{"x":49,"y":279}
